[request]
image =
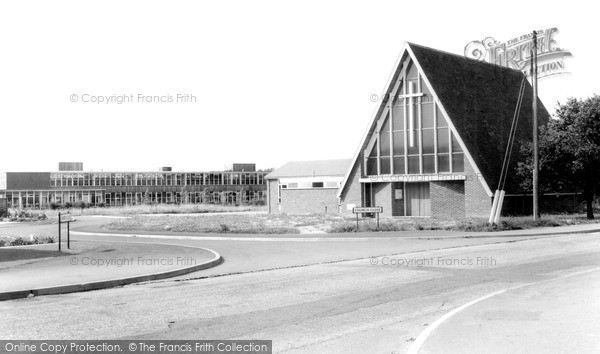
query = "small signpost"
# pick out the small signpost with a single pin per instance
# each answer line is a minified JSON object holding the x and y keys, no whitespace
{"x":367,"y":210}
{"x":64,"y":218}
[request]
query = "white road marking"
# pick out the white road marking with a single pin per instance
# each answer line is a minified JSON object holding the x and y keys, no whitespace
{"x":418,"y":343}
{"x":221,"y":238}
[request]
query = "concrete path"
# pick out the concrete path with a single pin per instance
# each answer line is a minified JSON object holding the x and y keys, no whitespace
{"x":42,"y":269}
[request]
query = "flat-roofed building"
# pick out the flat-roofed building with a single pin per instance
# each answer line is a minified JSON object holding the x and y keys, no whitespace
{"x":43,"y":189}
{"x":70,"y":166}
{"x":303,"y":187}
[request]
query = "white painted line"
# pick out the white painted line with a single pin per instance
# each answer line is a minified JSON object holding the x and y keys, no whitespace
{"x":416,"y":345}
{"x":55,"y":244}
{"x":222,"y":238}
{"x":3,"y":223}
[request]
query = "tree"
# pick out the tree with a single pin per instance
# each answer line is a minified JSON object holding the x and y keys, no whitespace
{"x":569,"y":151}
{"x":146,"y":198}
{"x":184,"y":194}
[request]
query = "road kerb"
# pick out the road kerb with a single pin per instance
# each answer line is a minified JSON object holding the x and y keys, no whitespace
{"x":111,"y":283}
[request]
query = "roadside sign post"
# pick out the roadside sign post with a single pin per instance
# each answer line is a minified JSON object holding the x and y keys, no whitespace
{"x":64,"y":218}
{"x":59,"y":222}
{"x":367,"y":210}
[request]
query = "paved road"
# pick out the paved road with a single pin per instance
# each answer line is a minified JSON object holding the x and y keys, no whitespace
{"x":564,"y":316}
{"x":380,"y":304}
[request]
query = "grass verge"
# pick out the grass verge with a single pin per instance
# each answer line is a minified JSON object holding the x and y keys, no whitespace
{"x":468,"y":224}
{"x":42,"y":214}
{"x":248,"y":224}
{"x":293,"y":224}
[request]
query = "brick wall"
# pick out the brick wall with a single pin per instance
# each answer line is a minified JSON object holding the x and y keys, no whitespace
{"x":353,"y":193}
{"x":477,"y":202}
{"x":383,"y":197}
{"x":447,"y":199}
{"x":309,"y":201}
{"x":272,"y":198}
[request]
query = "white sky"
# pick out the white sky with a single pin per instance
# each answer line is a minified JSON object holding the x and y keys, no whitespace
{"x":275,"y":81}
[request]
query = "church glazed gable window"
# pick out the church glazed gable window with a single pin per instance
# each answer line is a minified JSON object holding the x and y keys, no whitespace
{"x":412,"y":135}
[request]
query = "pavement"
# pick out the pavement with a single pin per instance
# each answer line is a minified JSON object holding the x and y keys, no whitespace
{"x":43,"y":270}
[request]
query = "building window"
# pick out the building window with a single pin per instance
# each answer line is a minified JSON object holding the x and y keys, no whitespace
{"x":419,"y":140}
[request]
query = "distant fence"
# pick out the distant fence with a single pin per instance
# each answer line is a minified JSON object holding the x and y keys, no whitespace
{"x":3,"y":208}
{"x":549,"y":203}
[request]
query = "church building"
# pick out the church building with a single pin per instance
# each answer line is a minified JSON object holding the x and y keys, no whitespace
{"x":436,"y":142}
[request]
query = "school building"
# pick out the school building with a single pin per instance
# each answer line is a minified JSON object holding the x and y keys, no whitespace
{"x":242,"y":184}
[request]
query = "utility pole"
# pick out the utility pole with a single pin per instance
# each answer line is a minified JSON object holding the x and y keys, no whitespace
{"x":536,"y":211}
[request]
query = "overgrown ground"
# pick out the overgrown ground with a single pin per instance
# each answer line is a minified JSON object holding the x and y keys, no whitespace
{"x":279,"y":224}
{"x":6,"y":241}
{"x":42,"y":214}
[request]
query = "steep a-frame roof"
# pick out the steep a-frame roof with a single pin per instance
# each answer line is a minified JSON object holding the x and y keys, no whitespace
{"x":480,"y":99}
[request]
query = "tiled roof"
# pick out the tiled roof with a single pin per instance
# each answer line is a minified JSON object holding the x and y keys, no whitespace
{"x":311,"y":168}
{"x":480,"y":99}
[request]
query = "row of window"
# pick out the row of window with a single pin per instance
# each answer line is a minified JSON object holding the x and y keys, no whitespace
{"x":415,"y":137}
{"x":305,"y":185}
{"x":155,"y":179}
{"x":42,"y":199}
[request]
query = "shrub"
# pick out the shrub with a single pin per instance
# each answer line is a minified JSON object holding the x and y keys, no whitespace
{"x":19,"y":241}
{"x":80,"y":204}
{"x":43,"y":239}
{"x":26,"y":215}
{"x":224,"y":228}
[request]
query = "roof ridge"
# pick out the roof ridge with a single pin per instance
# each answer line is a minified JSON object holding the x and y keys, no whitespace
{"x":323,"y":160}
{"x":479,"y":62}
